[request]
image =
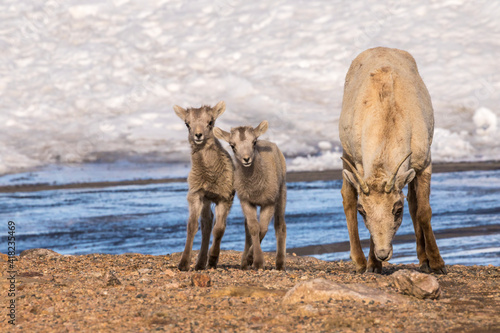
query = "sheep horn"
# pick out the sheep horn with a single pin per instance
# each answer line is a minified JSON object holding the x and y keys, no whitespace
{"x":392,"y":180}
{"x":360,"y":180}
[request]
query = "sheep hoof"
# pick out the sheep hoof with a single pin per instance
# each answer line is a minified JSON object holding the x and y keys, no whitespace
{"x":360,"y":269}
{"x":440,"y":271}
{"x":199,"y":267}
{"x":424,"y":267}
{"x":258,"y":264}
{"x":280,"y":266}
{"x":212,"y":262}
{"x":183,"y":266}
{"x":374,"y":269}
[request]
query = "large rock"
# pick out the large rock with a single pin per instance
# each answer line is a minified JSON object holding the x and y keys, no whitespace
{"x":417,"y":284}
{"x":39,"y":253}
{"x":324,"y":290}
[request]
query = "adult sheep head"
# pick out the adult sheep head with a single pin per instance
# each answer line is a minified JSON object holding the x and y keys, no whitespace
{"x":380,"y":203}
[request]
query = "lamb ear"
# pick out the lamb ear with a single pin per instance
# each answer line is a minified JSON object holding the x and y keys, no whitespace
{"x":221,"y":135}
{"x":349,"y":177}
{"x":180,"y":112}
{"x":405,"y":178}
{"x":261,"y":129}
{"x":219,"y":109}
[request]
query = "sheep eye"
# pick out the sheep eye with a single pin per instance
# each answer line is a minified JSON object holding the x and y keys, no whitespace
{"x":187,"y":125}
{"x":398,"y":213}
{"x":232,"y":147}
{"x":255,"y":143}
{"x":211,"y":123}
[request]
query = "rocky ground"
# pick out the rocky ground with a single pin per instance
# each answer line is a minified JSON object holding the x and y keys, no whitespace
{"x":142,"y":293}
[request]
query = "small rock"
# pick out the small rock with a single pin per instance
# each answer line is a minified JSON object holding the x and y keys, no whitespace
{"x":145,"y":270}
{"x":39,"y":253}
{"x":246,"y":291}
{"x":173,"y":285}
{"x":111,"y":279}
{"x":130,"y":288}
{"x":200,"y":280}
{"x":255,"y":319}
{"x":324,"y":290}
{"x":169,"y":272}
{"x":417,"y":284}
{"x":307,"y":310}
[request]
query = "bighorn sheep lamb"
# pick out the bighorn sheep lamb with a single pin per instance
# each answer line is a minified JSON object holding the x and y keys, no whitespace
{"x":386,"y":128}
{"x":210,"y":180}
{"x":259,"y":181}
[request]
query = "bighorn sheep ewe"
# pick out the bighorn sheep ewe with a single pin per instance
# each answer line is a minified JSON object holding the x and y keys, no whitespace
{"x":259,"y":181}
{"x":210,"y":180}
{"x":386,"y":128}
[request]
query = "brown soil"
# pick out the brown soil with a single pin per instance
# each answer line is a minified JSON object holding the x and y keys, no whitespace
{"x":142,"y":293}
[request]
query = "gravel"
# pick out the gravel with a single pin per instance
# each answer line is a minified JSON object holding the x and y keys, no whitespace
{"x":143,"y":293}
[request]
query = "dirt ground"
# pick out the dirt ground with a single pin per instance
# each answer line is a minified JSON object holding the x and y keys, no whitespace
{"x":143,"y":293}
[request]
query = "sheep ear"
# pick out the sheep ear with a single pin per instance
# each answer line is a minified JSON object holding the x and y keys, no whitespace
{"x":405,"y":178}
{"x":349,"y":177}
{"x":219,"y":109}
{"x":180,"y":112}
{"x":221,"y":135}
{"x":261,"y":129}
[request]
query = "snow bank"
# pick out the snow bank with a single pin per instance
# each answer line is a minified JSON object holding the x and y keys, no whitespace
{"x":85,"y":81}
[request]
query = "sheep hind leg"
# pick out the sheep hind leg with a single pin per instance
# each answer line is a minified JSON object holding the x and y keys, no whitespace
{"x":266,"y":215}
{"x":423,"y":215}
{"x":280,"y":230}
{"x":207,"y":218}
{"x":195,"y":207}
{"x":350,"y":201}
{"x":246,"y":259}
{"x":250,"y":212}
{"x":221,"y":212}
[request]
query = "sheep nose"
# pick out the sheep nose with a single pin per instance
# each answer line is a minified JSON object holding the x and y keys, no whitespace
{"x":246,"y":159}
{"x":383,"y":254}
{"x":198,"y":135}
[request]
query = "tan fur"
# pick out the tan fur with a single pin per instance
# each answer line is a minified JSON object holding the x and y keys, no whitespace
{"x":386,"y":115}
{"x":261,"y":184}
{"x":210,"y":180}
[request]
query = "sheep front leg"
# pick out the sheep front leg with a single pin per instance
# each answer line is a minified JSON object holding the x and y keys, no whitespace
{"x":423,"y":216}
{"x":207,"y":218}
{"x":250,"y":212}
{"x":350,"y":201}
{"x":195,"y":205}
{"x":374,"y":265}
{"x":221,"y":212}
